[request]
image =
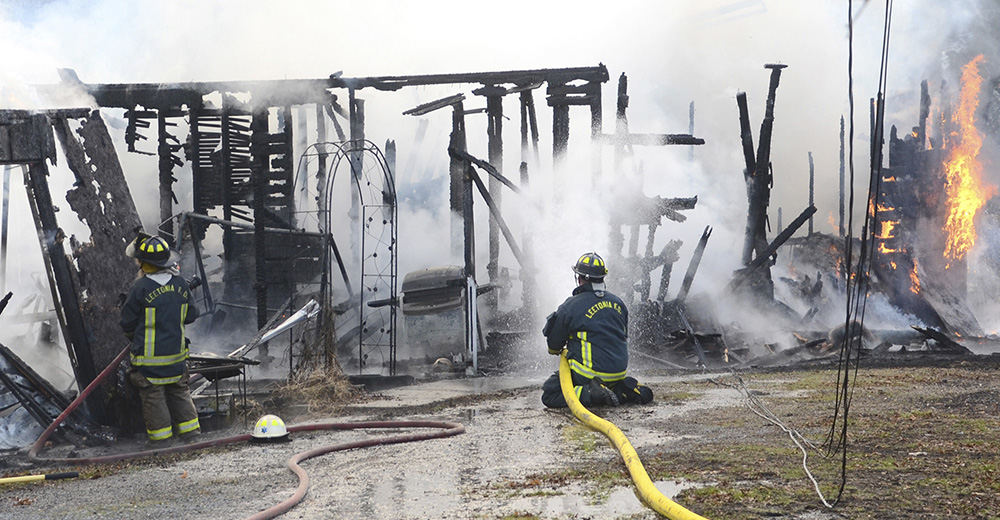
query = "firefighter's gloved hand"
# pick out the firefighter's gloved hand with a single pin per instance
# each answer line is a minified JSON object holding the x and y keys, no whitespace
{"x":555,"y":351}
{"x":121,"y":300}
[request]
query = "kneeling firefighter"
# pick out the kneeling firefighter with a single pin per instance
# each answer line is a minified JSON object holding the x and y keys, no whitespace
{"x":592,"y":325}
{"x":153,"y":317}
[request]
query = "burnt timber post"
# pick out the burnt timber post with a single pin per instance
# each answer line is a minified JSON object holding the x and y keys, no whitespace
{"x":925,"y":111}
{"x":64,"y":295}
{"x":494,"y":135}
{"x":166,"y":178}
{"x":596,"y":129}
{"x":469,"y":232}
{"x":758,"y":178}
{"x":812,"y":189}
{"x":3,"y":228}
{"x":357,"y":129}
{"x":528,"y":127}
{"x":560,"y":136}
{"x":841,"y":226}
{"x":226,"y":164}
{"x":621,"y":135}
{"x":691,"y":129}
{"x":258,"y":153}
{"x":458,"y":191}
{"x":321,"y":168}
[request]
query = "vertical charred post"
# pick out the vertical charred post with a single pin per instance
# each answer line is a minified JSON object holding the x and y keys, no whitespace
{"x":64,"y":294}
{"x":321,"y":168}
{"x":494,"y":135}
{"x":557,"y":99}
{"x":225,"y":163}
{"x":258,"y":153}
{"x":762,"y":174}
{"x":3,"y":228}
{"x":691,"y":129}
{"x":166,"y":167}
{"x":357,"y":129}
{"x":617,"y":239}
{"x":841,"y":221}
{"x":596,"y":130}
{"x":812,"y":191}
{"x":925,"y":112}
{"x":457,"y":172}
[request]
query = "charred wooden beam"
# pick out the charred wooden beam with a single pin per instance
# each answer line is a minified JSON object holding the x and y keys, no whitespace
{"x":760,"y":183}
{"x":462,"y":155}
{"x":560,"y":134}
{"x":596,"y":127}
{"x":3,"y":227}
{"x":692,"y":269}
{"x":431,"y":106}
{"x":301,"y":91}
{"x":764,"y":259}
{"x":258,"y":152}
{"x":457,"y":173}
{"x":746,"y":135}
{"x":943,"y":340}
{"x":925,"y":111}
{"x":64,"y":293}
{"x":101,"y":199}
{"x":495,"y":212}
{"x":691,"y":129}
{"x":494,"y":135}
{"x":812,"y":190}
{"x":668,"y":255}
{"x":841,"y":221}
{"x":650,"y":139}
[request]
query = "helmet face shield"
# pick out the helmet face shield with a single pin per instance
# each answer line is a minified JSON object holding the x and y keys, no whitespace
{"x":591,"y":266}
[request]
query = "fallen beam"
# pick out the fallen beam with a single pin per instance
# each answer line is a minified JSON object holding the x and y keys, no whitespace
{"x":762,"y":259}
{"x":651,"y":139}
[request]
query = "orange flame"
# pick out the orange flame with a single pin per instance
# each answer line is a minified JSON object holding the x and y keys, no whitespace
{"x":885,"y":250}
{"x":887,"y":227}
{"x":889,"y":179}
{"x":914,"y":280}
{"x":964,"y":187}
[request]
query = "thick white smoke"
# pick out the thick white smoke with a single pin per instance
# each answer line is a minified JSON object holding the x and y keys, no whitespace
{"x":673,"y":53}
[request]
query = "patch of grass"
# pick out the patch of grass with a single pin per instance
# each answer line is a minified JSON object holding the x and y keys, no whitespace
{"x":675,"y":397}
{"x":581,"y":437}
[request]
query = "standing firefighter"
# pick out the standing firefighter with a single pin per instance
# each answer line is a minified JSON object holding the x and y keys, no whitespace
{"x":154,"y":314}
{"x":592,"y":325}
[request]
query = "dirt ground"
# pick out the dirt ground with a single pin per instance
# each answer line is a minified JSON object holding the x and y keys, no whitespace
{"x":922,"y":443}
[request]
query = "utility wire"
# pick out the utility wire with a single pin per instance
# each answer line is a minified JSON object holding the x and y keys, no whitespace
{"x":857,"y":295}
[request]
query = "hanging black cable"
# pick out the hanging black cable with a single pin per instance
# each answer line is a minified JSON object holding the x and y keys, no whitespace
{"x":857,"y":292}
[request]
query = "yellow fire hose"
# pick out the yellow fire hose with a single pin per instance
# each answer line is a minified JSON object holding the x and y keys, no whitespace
{"x":35,"y":478}
{"x":647,"y":491}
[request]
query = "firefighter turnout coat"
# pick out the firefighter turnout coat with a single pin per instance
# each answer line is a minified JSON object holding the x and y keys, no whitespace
{"x":593,"y":325}
{"x":153,"y":317}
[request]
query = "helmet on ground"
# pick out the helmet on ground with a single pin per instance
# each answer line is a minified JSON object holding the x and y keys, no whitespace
{"x":152,"y":250}
{"x":591,"y":266}
{"x":269,"y":428}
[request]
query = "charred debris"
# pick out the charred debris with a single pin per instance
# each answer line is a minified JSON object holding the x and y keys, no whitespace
{"x":267,"y":233}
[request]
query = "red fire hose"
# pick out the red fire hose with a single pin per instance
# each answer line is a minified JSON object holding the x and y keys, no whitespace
{"x":445,"y":429}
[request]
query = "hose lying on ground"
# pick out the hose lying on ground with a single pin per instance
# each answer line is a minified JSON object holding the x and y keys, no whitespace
{"x":36,"y":478}
{"x":647,"y":491}
{"x":445,"y":429}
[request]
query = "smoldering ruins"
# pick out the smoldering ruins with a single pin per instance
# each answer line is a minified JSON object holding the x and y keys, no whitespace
{"x":435,"y":254}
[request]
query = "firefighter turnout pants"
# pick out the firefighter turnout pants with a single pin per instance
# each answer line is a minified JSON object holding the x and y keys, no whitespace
{"x":166,"y":409}
{"x":627,"y":391}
